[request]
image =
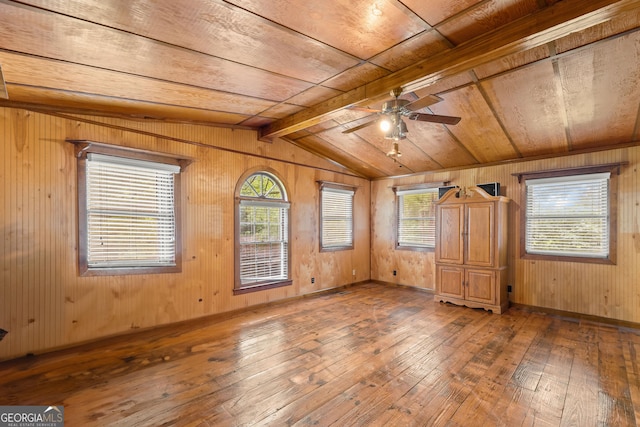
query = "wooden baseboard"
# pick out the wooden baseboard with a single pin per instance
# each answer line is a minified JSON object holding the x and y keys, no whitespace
{"x":578,"y":316}
{"x":400,"y":285}
{"x":195,"y":322}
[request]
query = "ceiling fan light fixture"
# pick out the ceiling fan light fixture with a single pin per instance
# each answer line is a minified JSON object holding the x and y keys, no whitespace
{"x":389,"y":134}
{"x":402,"y":127}
{"x":398,"y":130}
{"x":396,"y":136}
{"x":385,"y":125}
{"x":395,"y":152}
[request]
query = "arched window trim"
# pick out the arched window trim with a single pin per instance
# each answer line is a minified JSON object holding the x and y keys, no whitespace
{"x":244,"y":252}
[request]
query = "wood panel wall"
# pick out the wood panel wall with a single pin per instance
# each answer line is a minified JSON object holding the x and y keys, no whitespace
{"x":609,"y":291}
{"x":44,"y":304}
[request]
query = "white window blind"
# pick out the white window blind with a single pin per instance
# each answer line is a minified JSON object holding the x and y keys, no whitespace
{"x":264,"y":242}
{"x":568,"y":216}
{"x":417,"y":217}
{"x":130,"y":212}
{"x":337,"y":218}
{"x":263,"y":232}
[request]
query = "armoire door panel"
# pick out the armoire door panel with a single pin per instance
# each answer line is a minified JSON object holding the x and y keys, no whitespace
{"x":480,"y":235}
{"x":480,"y":286}
{"x":450,"y":281}
{"x":449,"y":241}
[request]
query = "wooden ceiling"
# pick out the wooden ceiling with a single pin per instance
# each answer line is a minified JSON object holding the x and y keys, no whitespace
{"x":529,"y":78}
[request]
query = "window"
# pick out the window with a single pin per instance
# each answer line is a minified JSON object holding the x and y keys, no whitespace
{"x":570,"y":217}
{"x":129,"y":220}
{"x":416,"y":225}
{"x":336,"y":216}
{"x":262,"y":234}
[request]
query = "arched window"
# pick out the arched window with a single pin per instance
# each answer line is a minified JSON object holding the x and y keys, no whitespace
{"x":262,"y":234}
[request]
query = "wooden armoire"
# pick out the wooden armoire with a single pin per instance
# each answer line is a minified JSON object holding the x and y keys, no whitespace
{"x":471,"y":249}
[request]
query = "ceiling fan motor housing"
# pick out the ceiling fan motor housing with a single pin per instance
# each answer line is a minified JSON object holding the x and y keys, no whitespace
{"x":394,"y":106}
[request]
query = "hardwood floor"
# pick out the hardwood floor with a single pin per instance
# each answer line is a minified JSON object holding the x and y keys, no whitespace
{"x":370,"y":355}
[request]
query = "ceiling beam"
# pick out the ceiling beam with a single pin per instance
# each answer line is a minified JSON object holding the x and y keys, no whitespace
{"x":552,"y":23}
{"x":317,"y":152}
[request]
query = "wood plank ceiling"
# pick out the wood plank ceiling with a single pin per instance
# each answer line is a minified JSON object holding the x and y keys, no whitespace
{"x":528,"y":77}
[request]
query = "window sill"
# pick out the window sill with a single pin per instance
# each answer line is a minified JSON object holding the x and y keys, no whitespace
{"x":262,"y":286}
{"x":567,"y":258}
{"x":336,"y":248}
{"x":415,"y":248}
{"x":126,"y":271}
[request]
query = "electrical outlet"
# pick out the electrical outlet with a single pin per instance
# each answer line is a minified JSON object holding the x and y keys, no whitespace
{"x":313,"y":280}
{"x":509,"y":288}
{"x":354,"y":272}
{"x":395,"y":273}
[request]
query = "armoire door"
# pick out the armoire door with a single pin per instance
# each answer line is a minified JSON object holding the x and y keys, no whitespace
{"x":480,"y":286}
{"x":449,"y":238}
{"x":450,"y":281}
{"x":479,"y":231}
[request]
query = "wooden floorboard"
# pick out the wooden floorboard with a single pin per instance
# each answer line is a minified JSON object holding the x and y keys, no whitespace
{"x":371,"y":355}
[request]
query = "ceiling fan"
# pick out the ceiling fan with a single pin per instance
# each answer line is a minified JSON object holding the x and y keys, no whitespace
{"x":393,"y":110}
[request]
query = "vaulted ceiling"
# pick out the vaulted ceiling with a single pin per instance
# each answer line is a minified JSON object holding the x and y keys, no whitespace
{"x":528,"y":78}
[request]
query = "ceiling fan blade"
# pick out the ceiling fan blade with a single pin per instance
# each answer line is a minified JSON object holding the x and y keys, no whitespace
{"x":434,"y":118}
{"x":362,"y":126}
{"x":423,"y":102}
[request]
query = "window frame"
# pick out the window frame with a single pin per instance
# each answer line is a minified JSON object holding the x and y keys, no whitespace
{"x":402,"y":191}
{"x":82,"y":150}
{"x":614,"y":170}
{"x":336,"y":188}
{"x":238,"y":287}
